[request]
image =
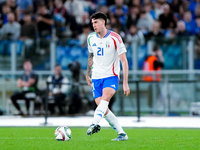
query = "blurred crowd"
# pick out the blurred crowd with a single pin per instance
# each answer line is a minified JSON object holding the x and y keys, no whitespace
{"x":27,"y":20}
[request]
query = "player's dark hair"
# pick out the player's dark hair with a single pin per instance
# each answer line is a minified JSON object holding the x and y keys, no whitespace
{"x":99,"y":15}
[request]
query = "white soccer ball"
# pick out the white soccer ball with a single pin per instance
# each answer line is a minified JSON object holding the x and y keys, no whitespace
{"x":63,"y":133}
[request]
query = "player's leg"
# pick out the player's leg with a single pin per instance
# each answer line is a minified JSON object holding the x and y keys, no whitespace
{"x":94,"y":128}
{"x":109,"y":116}
{"x":113,"y":122}
{"x":102,"y":103}
{"x":97,"y":93}
{"x":101,"y":110}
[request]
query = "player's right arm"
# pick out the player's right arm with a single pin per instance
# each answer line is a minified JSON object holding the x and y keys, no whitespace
{"x":90,"y":60}
{"x":89,"y":67}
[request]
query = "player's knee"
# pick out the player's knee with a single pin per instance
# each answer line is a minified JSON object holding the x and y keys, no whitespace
{"x":106,"y":98}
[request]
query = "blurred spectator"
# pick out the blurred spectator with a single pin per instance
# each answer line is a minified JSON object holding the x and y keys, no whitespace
{"x":4,"y":15}
{"x":197,"y":43}
{"x":134,"y":3}
{"x":90,"y":6}
{"x":104,"y":9}
{"x":135,"y":35}
{"x":44,"y":22}
{"x":86,"y":18}
{"x":100,"y":2}
{"x":110,"y":2}
{"x":155,"y":31}
{"x":173,"y":34}
{"x":147,"y":2}
{"x":197,"y":29}
{"x":28,"y":30}
{"x":197,"y":11}
{"x":10,"y":3}
{"x":177,"y":6}
{"x":145,"y":22}
{"x":192,"y":7}
{"x":158,"y":9}
{"x":24,"y":6}
{"x":120,"y":10}
{"x":83,"y":36}
{"x":10,"y":30}
{"x":149,"y":10}
{"x":75,"y":9}
{"x":153,"y":62}
{"x":51,"y":7}
{"x":190,"y":24}
{"x":37,"y":3}
{"x":60,"y":17}
{"x":114,"y":22}
{"x":28,"y":84}
{"x":181,"y":29}
{"x":167,"y":18}
{"x":133,"y":16}
{"x":28,"y":35}
{"x":58,"y":89}
{"x":164,"y":1}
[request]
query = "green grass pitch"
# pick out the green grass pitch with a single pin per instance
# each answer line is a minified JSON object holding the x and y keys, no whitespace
{"x":42,"y":138}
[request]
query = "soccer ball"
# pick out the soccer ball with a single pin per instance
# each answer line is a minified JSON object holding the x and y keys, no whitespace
{"x":63,"y":133}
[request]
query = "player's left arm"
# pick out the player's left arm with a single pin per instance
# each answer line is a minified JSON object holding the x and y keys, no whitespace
{"x":125,"y":73}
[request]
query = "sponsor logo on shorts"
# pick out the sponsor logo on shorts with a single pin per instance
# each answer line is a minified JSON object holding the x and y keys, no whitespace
{"x":113,"y":86}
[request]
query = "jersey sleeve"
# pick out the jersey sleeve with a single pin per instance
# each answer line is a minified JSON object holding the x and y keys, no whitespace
{"x":121,"y":48}
{"x":119,"y":45}
{"x":89,"y":44}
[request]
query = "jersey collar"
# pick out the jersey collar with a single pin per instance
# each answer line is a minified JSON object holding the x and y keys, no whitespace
{"x":105,"y":35}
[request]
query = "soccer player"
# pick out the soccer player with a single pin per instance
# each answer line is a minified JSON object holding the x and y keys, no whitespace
{"x":106,"y":48}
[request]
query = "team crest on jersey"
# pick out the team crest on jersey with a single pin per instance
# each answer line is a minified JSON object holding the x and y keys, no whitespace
{"x":107,"y":44}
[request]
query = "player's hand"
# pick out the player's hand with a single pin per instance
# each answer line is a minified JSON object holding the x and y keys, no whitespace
{"x":126,"y":89}
{"x":89,"y":81}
